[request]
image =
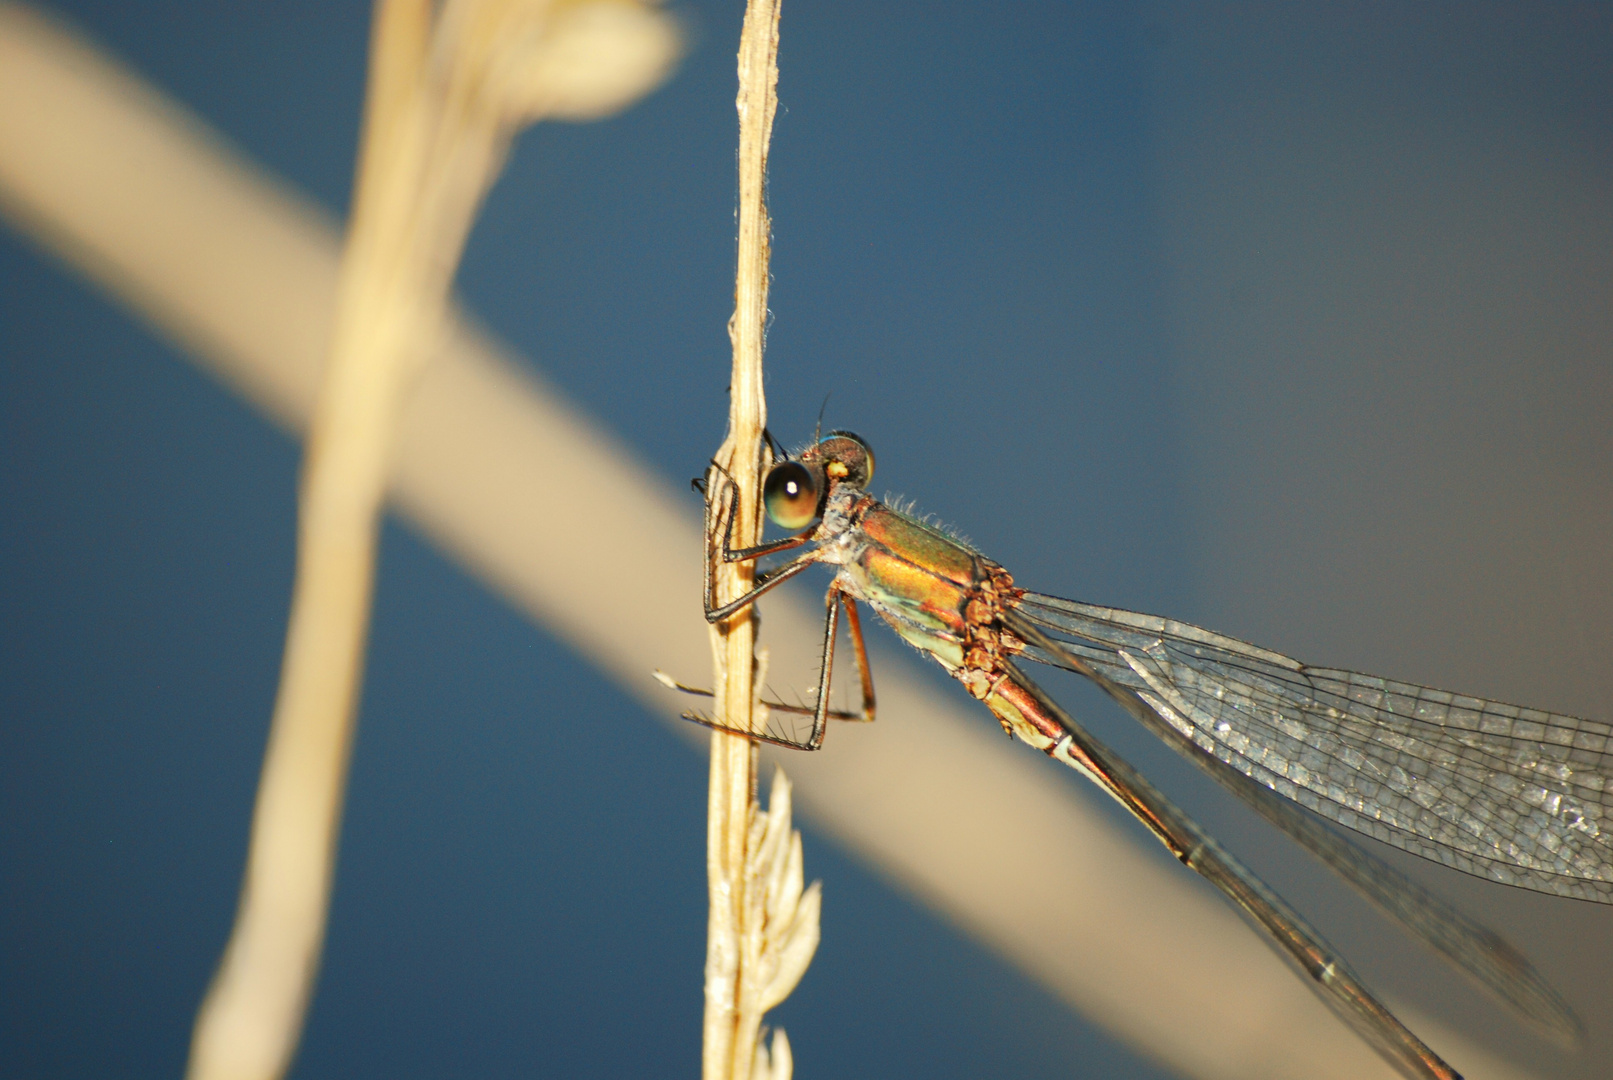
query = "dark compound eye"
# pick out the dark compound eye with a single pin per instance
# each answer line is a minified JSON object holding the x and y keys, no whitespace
{"x":846,"y":458}
{"x":866,"y":472}
{"x":791,"y":495}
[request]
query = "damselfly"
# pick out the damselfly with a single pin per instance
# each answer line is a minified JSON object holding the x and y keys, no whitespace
{"x":1515,"y":795}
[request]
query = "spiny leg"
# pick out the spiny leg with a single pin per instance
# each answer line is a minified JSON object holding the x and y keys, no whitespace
{"x":775,"y":706}
{"x":776,"y":578}
{"x":854,"y":627}
{"x":819,"y":711}
{"x":720,"y":520}
{"x":721,"y":506}
{"x":820,"y":707}
{"x":833,"y":600}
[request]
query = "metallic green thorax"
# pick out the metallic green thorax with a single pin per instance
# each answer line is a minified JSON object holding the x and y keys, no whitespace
{"x":941,"y":597}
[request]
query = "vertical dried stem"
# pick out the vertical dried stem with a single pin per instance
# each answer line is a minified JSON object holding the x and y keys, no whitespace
{"x":730,"y":1032}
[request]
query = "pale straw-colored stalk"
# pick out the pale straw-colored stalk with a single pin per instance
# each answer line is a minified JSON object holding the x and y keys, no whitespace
{"x":449,"y":87}
{"x":762,"y":930}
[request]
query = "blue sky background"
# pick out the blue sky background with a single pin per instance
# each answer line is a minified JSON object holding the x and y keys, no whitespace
{"x":1165,"y":307}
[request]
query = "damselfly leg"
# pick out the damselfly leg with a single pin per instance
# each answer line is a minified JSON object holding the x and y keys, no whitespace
{"x":721,"y":501}
{"x":721,"y":492}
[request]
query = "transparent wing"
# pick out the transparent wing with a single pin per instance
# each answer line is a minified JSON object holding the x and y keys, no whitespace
{"x":1519,"y":796}
{"x":1469,"y":945}
{"x":1294,"y":938}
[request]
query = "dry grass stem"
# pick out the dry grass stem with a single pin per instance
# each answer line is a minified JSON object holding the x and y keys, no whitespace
{"x":448,"y":89}
{"x":759,"y":939}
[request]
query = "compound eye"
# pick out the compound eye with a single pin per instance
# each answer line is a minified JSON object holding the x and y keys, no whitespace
{"x":866,"y":472}
{"x":846,"y":458}
{"x":791,"y":495}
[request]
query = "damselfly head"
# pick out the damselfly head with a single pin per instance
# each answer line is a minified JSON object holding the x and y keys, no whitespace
{"x":794,"y":491}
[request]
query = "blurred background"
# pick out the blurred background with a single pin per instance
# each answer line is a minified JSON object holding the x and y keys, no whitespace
{"x":1293,"y":321}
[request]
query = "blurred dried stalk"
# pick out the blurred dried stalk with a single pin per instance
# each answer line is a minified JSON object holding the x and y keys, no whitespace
{"x":449,"y":87}
{"x":761,"y":931}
